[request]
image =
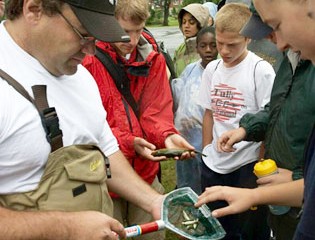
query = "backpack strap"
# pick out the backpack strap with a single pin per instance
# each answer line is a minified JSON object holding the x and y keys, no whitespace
{"x":165,"y":53}
{"x":47,"y":114}
{"x":120,"y":78}
{"x":254,"y":75}
{"x":255,"y":71}
{"x":217,"y":66}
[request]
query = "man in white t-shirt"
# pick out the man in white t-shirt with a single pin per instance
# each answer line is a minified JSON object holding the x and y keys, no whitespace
{"x":238,"y":83}
{"x":43,"y":43}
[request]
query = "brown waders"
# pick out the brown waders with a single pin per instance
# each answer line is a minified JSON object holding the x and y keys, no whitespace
{"x":75,"y":176}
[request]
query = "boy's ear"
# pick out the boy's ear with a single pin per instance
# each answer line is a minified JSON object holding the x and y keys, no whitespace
{"x":248,"y":40}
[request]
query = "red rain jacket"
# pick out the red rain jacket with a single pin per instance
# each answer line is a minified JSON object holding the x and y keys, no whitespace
{"x":153,"y":94}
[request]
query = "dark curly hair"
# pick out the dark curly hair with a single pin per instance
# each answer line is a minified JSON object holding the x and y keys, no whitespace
{"x":208,"y":29}
{"x":180,"y":19}
{"x":14,"y":8}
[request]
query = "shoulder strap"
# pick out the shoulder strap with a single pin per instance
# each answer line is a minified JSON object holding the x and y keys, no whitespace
{"x":16,"y":85}
{"x":147,"y":31}
{"x":165,"y":53}
{"x":47,"y":114}
{"x":255,"y":71}
{"x":217,"y":65}
{"x":255,"y":79}
{"x":50,"y":120}
{"x":169,"y":61}
{"x":120,"y":78}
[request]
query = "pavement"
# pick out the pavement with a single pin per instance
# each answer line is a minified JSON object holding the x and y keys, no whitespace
{"x":171,"y":36}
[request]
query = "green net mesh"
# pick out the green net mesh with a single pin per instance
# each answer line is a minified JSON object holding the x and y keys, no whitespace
{"x":180,"y":216}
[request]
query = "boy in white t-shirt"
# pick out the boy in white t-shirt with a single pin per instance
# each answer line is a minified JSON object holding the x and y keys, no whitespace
{"x":238,"y":83}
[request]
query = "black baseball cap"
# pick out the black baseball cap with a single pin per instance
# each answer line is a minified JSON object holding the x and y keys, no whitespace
{"x":255,"y":28}
{"x":98,"y":18}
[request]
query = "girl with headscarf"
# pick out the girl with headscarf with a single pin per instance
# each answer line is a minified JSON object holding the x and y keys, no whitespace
{"x":191,"y":19}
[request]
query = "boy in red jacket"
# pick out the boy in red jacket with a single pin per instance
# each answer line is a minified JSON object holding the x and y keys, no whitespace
{"x":150,"y":128}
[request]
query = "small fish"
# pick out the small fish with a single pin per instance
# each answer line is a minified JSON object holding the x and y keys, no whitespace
{"x":186,"y":216}
{"x":169,"y":153}
{"x":190,"y":222}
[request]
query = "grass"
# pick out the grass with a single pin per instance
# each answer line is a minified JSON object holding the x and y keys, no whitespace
{"x":171,"y":22}
{"x":169,"y":182}
{"x":168,"y":175}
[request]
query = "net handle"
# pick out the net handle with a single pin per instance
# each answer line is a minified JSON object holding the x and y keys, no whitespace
{"x":137,"y":230}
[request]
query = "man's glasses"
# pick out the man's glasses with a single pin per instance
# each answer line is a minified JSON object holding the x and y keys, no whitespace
{"x":83,"y":40}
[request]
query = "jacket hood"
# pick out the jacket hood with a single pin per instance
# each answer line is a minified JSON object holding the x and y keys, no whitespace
{"x":140,"y":59}
{"x":198,"y":11}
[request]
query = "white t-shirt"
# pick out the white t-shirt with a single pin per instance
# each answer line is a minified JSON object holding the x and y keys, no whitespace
{"x":230,"y":93}
{"x":23,"y":145}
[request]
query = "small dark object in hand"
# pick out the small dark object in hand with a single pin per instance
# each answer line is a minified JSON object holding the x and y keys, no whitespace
{"x":170,"y":153}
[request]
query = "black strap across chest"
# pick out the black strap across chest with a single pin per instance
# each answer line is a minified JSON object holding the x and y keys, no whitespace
{"x":120,"y":78}
{"x":47,"y":114}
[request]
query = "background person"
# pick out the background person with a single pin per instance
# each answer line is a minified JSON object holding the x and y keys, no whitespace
{"x":191,"y":19}
{"x":213,"y":9}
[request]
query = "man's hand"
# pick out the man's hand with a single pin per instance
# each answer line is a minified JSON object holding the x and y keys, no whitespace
{"x":228,"y":139}
{"x":84,"y":225}
{"x":145,"y":149}
{"x":283,"y":176}
{"x":175,"y":141}
{"x":94,"y":225}
{"x":239,"y":199}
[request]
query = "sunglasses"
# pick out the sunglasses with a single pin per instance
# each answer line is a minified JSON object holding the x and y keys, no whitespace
{"x":83,"y":40}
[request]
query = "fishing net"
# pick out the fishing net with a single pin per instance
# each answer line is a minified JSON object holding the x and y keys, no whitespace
{"x":181,"y":217}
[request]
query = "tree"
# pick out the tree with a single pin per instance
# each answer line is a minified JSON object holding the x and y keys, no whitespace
{"x":166,"y":8}
{"x":186,"y":2}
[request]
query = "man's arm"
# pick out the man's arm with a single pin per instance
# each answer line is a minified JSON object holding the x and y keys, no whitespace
{"x":207,"y":127}
{"x":57,"y":225}
{"x":241,"y":199}
{"x":256,"y":124}
{"x":253,"y":127}
{"x":127,"y":184}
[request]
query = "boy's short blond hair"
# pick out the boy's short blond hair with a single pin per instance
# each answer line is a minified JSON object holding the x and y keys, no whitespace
{"x":232,"y":17}
{"x":135,"y":10}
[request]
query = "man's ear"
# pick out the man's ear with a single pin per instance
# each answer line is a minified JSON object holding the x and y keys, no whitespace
{"x":32,"y":9}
